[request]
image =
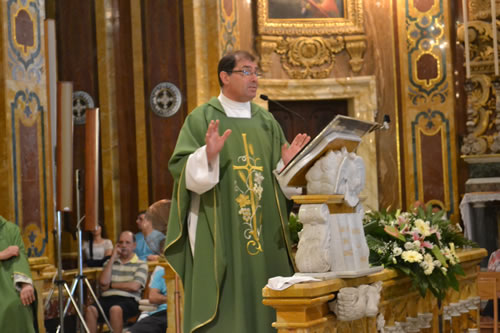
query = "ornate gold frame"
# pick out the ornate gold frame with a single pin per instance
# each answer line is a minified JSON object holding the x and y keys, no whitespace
{"x":307,"y":46}
{"x":351,"y":23}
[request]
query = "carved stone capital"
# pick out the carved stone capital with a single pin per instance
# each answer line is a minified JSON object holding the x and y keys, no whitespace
{"x":266,"y":45}
{"x":356,"y":46}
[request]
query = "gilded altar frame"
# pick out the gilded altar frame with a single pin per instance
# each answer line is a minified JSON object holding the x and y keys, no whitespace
{"x":307,"y":45}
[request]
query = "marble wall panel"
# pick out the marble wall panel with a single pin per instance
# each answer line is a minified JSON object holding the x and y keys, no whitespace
{"x":428,"y":106}
{"x":27,"y":185}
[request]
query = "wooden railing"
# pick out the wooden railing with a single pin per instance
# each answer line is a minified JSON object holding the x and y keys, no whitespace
{"x":303,"y":308}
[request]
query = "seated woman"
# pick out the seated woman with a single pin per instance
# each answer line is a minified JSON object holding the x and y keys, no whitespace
{"x":97,"y":249}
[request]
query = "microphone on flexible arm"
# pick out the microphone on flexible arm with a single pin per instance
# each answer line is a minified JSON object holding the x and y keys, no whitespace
{"x":266,"y":98}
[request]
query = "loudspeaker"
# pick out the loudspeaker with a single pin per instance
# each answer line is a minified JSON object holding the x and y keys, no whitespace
{"x":91,"y":169}
{"x":64,"y":148}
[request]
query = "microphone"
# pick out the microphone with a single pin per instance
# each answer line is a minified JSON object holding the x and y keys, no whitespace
{"x":387,"y":121}
{"x":266,"y":98}
{"x":385,"y":124}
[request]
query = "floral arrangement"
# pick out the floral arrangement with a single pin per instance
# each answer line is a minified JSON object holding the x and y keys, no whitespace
{"x":421,"y":244}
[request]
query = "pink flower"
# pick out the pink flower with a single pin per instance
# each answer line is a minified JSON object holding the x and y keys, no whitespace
{"x":427,"y":245}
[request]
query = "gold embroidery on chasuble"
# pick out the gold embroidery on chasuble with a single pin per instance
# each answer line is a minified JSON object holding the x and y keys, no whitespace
{"x":248,"y":194}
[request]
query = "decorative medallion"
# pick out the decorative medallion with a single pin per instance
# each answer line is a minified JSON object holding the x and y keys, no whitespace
{"x":165,"y":99}
{"x":81,"y":102}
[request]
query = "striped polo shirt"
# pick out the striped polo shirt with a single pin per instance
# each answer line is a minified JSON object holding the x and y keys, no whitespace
{"x":134,"y":270}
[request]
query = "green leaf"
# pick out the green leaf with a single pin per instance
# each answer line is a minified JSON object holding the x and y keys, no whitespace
{"x":394,"y":232}
{"x":439,"y":256}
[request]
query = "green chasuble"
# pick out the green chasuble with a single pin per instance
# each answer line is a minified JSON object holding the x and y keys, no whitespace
{"x":14,"y":316}
{"x":242,"y":232}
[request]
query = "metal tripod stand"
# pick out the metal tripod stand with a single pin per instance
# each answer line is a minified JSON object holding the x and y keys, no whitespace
{"x":61,"y":283}
{"x":80,"y":278}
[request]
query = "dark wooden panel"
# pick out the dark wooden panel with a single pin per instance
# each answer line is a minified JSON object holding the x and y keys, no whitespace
{"x":76,"y":45}
{"x":163,"y":61}
{"x":316,"y":114}
{"x":124,"y":84}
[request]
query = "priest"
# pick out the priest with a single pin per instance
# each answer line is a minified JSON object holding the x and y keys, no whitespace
{"x":16,"y":285}
{"x":228,"y":226}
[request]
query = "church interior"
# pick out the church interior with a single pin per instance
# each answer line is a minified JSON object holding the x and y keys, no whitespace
{"x":428,"y":68}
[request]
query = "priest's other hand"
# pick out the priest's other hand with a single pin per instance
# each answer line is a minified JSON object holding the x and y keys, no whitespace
{"x":214,"y":141}
{"x":289,"y":151}
{"x":27,"y":294}
{"x":9,"y":252}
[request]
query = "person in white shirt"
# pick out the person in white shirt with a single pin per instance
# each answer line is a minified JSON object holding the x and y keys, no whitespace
{"x":97,"y":249}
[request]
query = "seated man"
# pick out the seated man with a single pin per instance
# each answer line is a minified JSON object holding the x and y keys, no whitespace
{"x":156,"y":321}
{"x":122,"y":280}
{"x":149,"y":240}
{"x":16,"y":286}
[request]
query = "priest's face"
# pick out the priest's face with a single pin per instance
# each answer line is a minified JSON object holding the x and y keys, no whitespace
{"x":241,"y":83}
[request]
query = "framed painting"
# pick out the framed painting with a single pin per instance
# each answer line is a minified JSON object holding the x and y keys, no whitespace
{"x":309,"y":17}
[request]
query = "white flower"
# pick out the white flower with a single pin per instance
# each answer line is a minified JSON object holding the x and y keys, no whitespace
{"x":437,"y":263}
{"x":429,"y":270}
{"x":397,"y":251}
{"x":416,"y":244}
{"x":428,"y":258}
{"x":412,"y":256}
{"x":422,"y":227}
{"x":409,"y":246}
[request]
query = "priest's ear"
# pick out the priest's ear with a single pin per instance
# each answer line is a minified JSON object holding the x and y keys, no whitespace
{"x":224,"y":78}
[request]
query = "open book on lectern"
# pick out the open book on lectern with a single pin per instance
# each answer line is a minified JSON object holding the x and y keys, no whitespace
{"x":342,"y":131}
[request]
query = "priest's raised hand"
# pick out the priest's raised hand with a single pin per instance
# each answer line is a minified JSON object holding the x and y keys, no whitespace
{"x":214,"y":141}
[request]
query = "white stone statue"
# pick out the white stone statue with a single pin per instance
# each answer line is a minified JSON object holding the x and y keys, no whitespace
{"x":333,"y":242}
{"x":356,"y":303}
{"x":314,"y":253}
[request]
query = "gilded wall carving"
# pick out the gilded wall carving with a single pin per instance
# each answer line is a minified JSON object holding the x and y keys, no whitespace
{"x":482,"y":88}
{"x":308,"y":43}
{"x":309,"y":57}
